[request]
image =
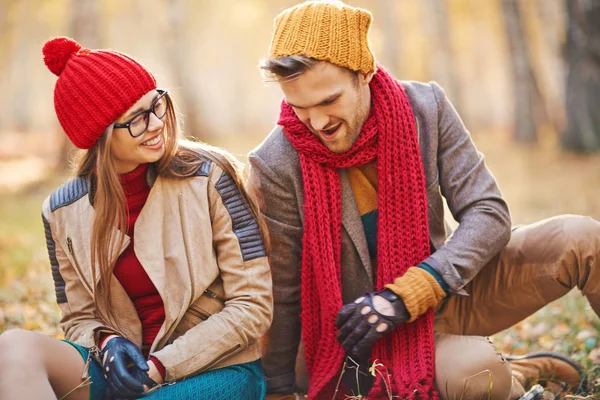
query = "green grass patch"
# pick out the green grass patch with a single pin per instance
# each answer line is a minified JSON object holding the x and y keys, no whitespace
{"x":21,"y":232}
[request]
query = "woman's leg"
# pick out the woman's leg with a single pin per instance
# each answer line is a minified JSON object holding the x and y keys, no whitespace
{"x":36,"y":366}
{"x":470,"y":368}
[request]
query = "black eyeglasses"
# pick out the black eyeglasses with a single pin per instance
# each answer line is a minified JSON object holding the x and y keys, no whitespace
{"x":139,"y":124}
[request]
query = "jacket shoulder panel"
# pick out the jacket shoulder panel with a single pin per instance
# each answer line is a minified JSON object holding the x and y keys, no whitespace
{"x":244,"y":223}
{"x":69,"y":193}
{"x":59,"y":282}
{"x":204,"y":169}
{"x":277,"y":157}
{"x":422,"y":98}
{"x":277,"y":151}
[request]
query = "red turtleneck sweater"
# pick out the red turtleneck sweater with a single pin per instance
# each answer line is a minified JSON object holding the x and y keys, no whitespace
{"x":129,"y":271}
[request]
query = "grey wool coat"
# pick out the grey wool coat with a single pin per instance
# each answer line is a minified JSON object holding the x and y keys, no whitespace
{"x":453,"y":168}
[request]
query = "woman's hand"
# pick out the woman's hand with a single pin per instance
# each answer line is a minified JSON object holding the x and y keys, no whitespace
{"x":145,"y":378}
{"x":154,"y":374}
{"x":124,"y":368}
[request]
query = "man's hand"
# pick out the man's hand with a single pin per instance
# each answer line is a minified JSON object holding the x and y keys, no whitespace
{"x":366,"y":320}
{"x":117,"y":356}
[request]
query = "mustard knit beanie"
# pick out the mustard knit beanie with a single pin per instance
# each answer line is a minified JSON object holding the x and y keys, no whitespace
{"x":326,"y":30}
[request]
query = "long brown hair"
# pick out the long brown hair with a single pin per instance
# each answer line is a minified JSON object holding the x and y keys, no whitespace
{"x":182,"y":159}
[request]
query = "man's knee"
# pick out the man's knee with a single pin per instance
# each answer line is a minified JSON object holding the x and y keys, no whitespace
{"x":563,"y":239}
{"x":583,"y":237}
{"x":582,"y":229}
{"x":470,"y":368}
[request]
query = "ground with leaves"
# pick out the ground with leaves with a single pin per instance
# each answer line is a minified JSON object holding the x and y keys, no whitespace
{"x":537,"y":181}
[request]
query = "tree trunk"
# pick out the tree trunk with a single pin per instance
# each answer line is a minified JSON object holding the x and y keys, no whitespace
{"x":392,"y":45}
{"x":84,"y":28}
{"x":5,"y":32}
{"x":551,"y":65}
{"x":176,"y":50}
{"x":527,"y":101}
{"x":442,"y":63}
{"x":84,"y":22}
{"x":583,"y":78}
{"x":20,"y":101}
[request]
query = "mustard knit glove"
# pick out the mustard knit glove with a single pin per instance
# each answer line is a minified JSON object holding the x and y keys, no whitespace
{"x":419,"y":290}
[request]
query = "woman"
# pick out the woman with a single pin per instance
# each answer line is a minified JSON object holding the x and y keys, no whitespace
{"x":157,"y":256}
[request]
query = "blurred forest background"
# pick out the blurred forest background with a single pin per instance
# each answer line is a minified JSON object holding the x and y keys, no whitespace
{"x":523,"y":74}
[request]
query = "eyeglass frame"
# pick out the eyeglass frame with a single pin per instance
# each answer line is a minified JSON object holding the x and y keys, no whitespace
{"x":162,"y":93}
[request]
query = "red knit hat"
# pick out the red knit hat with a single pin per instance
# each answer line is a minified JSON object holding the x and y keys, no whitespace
{"x":94,"y":87}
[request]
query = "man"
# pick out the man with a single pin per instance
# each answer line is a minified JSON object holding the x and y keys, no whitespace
{"x":350,"y":184}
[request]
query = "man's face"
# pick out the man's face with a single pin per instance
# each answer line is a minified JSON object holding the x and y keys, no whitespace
{"x":332,"y":102}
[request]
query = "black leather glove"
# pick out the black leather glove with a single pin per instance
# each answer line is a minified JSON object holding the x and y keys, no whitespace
{"x":123,"y":364}
{"x":361,"y":324}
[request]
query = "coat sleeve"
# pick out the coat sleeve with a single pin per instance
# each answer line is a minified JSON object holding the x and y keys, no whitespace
{"x":79,"y":320}
{"x":280,"y":209}
{"x":244,"y":268}
{"x":473,"y":198}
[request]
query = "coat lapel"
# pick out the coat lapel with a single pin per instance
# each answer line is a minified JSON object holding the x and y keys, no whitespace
{"x":128,"y":321}
{"x":149,"y":232}
{"x":159,"y":248}
{"x":85,"y":224}
{"x":353,"y":224}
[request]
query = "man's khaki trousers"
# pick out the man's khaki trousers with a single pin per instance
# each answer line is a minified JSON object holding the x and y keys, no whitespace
{"x":541,"y":263}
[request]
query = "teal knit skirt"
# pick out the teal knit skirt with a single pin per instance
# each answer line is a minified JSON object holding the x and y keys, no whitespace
{"x":241,"y":381}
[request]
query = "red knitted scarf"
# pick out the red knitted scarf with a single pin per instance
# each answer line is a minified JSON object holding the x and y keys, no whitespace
{"x":388,"y":134}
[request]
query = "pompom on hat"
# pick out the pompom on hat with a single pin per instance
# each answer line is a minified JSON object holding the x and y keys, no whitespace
{"x":94,"y":87}
{"x":326,"y":30}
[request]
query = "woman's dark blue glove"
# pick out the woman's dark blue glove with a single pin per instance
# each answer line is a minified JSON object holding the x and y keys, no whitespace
{"x":361,"y":324}
{"x":143,"y":377}
{"x":122,"y":364}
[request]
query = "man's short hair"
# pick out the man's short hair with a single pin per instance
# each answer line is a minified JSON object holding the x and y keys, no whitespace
{"x":286,"y":68}
{"x":290,"y":67}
